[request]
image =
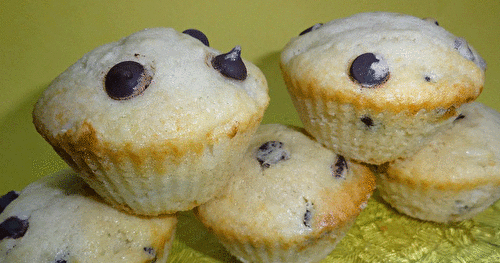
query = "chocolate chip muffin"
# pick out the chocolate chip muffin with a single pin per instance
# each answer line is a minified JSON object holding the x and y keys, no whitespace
{"x":455,"y":176}
{"x":60,"y":219}
{"x":292,"y":200}
{"x":156,"y":121}
{"x":376,"y":86}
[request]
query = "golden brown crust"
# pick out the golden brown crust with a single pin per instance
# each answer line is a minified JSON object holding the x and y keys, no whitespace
{"x":114,"y":171}
{"x":78,"y":148}
{"x":354,"y":196}
{"x":310,"y":87}
{"x":339,"y":210}
{"x":408,"y":178}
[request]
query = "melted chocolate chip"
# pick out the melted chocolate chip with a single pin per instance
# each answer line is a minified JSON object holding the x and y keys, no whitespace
{"x":6,"y":199}
{"x":198,"y":35}
{"x":230,"y":64}
{"x":340,"y":167}
{"x":271,"y":153}
{"x":13,"y":227}
{"x":367,"y":121}
{"x":126,"y":80}
{"x":369,"y":70}
{"x":312,"y":28}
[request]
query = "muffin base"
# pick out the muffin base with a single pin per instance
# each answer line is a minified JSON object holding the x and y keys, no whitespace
{"x":367,"y":135}
{"x":440,"y":204}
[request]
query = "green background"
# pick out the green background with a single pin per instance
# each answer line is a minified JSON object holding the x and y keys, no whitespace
{"x":40,"y":39}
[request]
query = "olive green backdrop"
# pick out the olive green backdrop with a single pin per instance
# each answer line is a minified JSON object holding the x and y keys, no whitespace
{"x":40,"y":39}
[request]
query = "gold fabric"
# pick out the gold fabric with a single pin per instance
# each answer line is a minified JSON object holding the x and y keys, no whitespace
{"x":380,"y":234}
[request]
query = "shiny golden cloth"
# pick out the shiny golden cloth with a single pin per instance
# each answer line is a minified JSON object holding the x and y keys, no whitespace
{"x":380,"y":234}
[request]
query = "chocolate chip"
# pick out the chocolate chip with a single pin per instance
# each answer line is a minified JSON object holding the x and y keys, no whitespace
{"x":312,"y":28}
{"x":230,"y":64}
{"x":427,"y":78}
{"x":463,"y":207}
{"x":369,"y":70}
{"x":367,"y":121}
{"x":308,"y":214}
{"x":198,"y":35}
{"x":432,"y":20}
{"x":340,"y":167}
{"x":6,"y":199}
{"x":13,"y":227}
{"x":463,"y":48}
{"x":126,"y":80}
{"x":271,"y":153}
{"x":62,"y":257}
{"x":307,"y":218}
{"x":459,"y":117}
{"x":151,"y":253}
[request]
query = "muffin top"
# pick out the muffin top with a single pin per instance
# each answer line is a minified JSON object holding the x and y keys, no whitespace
{"x":289,"y":188}
{"x":461,"y":158}
{"x":154,"y":85}
{"x":384,"y":61}
{"x":76,"y":225}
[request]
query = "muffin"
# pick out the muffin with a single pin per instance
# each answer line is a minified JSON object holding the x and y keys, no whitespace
{"x":374,"y":87}
{"x":292,"y":200}
{"x":455,"y":176}
{"x":60,"y":219}
{"x":154,"y":122}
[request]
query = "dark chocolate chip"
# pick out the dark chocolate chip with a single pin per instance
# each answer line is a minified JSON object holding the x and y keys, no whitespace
{"x":459,"y":117}
{"x":62,"y":257}
{"x":271,"y":153}
{"x":126,"y":80}
{"x":6,"y":199}
{"x":340,"y":167}
{"x":369,"y":70}
{"x":60,"y":261}
{"x":230,"y":64}
{"x":432,"y":20}
{"x":151,"y":253}
{"x":312,"y":28}
{"x":367,"y":121}
{"x":463,"y":207}
{"x":308,"y":214}
{"x":427,"y":78}
{"x":307,"y":218}
{"x":463,"y":48}
{"x":198,"y":35}
{"x":13,"y":227}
